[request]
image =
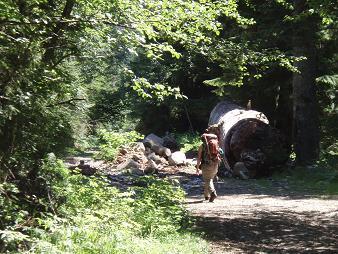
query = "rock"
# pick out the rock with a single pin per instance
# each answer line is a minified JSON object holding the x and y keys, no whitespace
{"x":156,"y":148}
{"x":135,"y":171}
{"x":166,"y":152}
{"x":88,"y":170}
{"x":138,"y":147}
{"x":147,"y":151}
{"x":151,"y":168}
{"x":191,"y":162}
{"x":177,"y":158}
{"x":240,"y":170}
{"x":123,"y":151}
{"x":152,"y":140}
{"x":164,"y":161}
{"x":170,"y":142}
{"x":137,"y":158}
{"x":154,"y":158}
{"x":129,"y":164}
{"x":161,"y":150}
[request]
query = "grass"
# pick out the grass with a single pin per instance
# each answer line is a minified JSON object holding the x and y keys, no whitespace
{"x":321,"y":179}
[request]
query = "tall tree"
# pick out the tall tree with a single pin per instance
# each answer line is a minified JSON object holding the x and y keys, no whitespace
{"x":305,"y":103}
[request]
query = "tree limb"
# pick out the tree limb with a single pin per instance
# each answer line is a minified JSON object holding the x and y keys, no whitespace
{"x":48,"y":56}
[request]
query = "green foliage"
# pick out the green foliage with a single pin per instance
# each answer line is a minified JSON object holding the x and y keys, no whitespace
{"x":112,"y":141}
{"x":90,"y":216}
{"x":320,"y":179}
{"x":158,"y":207}
{"x":331,"y":83}
{"x":12,"y":214}
{"x":95,"y":217}
{"x":157,"y":91}
{"x":189,"y":141}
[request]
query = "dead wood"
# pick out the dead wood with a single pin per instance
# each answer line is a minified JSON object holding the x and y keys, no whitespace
{"x":246,"y":136}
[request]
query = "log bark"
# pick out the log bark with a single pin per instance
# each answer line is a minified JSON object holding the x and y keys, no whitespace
{"x":246,"y":136}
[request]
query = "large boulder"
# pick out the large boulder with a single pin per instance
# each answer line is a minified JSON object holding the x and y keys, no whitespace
{"x":191,"y":162}
{"x":170,"y":142}
{"x":177,"y":158}
{"x":151,"y":140}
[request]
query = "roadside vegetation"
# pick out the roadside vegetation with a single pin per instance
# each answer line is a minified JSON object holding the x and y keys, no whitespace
{"x":87,"y":215}
{"x":318,"y":179}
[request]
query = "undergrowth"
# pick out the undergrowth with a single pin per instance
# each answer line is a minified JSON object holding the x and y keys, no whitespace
{"x":321,"y":178}
{"x":88,"y":215}
{"x":189,"y":141}
{"x":110,"y":142}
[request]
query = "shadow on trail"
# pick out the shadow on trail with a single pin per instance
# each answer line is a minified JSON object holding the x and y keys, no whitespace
{"x":249,"y":228}
{"x":273,"y":232}
{"x":231,"y":186}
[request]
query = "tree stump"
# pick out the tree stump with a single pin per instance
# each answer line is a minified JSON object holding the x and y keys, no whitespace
{"x":246,"y":136}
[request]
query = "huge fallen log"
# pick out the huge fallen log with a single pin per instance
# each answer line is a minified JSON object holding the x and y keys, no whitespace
{"x":246,"y":136}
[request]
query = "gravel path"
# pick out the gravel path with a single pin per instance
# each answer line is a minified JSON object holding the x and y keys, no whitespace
{"x":247,"y":218}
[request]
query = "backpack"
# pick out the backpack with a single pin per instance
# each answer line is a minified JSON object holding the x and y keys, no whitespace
{"x":210,"y":148}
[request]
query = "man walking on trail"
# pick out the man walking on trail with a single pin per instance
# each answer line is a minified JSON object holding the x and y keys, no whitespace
{"x":209,"y":159}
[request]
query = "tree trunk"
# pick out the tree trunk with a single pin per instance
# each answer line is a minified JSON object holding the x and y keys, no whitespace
{"x":305,"y":104}
{"x":246,"y":136}
{"x":51,"y":45}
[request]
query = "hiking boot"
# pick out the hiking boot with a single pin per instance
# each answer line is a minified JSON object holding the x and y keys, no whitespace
{"x":212,"y":197}
{"x":206,"y":198}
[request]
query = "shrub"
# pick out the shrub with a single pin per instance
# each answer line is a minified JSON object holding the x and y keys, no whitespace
{"x":158,"y":207}
{"x":189,"y":141}
{"x":110,"y":142}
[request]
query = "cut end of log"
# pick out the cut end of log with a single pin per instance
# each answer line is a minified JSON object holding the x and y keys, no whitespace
{"x":246,"y":136}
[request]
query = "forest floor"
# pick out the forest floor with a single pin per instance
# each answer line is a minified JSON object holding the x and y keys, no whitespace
{"x":248,"y":217}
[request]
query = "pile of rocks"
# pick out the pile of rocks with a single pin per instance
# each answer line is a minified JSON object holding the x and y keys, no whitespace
{"x":151,"y":155}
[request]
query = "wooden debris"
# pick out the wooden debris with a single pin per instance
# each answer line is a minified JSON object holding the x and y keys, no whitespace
{"x":246,"y":136}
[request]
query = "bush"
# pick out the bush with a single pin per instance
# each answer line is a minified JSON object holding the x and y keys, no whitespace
{"x":189,"y":141}
{"x":110,"y":142}
{"x":158,"y":207}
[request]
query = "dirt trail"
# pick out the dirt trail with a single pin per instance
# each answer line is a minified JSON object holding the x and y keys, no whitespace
{"x":248,"y":218}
